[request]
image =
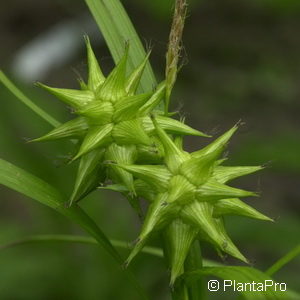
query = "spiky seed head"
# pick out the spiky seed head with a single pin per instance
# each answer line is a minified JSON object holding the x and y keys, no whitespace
{"x":123,"y":138}
{"x":194,"y":187}
{"x":110,"y":115}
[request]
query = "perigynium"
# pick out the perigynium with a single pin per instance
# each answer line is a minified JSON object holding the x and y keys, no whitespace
{"x":189,"y":198}
{"x":125,"y":139}
{"x":113,"y":123}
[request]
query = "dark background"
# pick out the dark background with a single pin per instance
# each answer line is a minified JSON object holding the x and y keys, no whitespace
{"x":242,"y":61}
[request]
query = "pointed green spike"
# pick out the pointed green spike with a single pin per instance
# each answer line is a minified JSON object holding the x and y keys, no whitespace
{"x":180,"y":190}
{"x":156,"y":176}
{"x":96,"y":137}
{"x":172,"y":126}
{"x":178,"y":127}
{"x":158,"y":214}
{"x":220,"y":161}
{"x":134,"y":78}
{"x":74,"y":98}
{"x":96,"y":77}
{"x":213,"y":190}
{"x":121,"y":155}
{"x":200,"y":214}
{"x":97,"y":113}
{"x":89,"y":174}
{"x":235,"y":206}
{"x":113,"y":87}
{"x":179,"y":237}
{"x":154,"y":101}
{"x":199,"y":169}
{"x":134,"y":202}
{"x":82,"y":84}
{"x":73,"y":128}
{"x":130,"y":132}
{"x":120,"y":188}
{"x":174,"y":157}
{"x":126,"y":108}
{"x":222,"y":140}
{"x":228,"y":246}
{"x":224,"y":174}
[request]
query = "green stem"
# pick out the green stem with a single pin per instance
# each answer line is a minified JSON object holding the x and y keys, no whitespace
{"x":75,"y":239}
{"x":88,"y":241}
{"x":283,"y":261}
{"x":28,"y":102}
{"x":194,"y":262}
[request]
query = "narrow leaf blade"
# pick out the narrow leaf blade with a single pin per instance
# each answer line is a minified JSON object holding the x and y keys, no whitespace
{"x":39,"y":190}
{"x":117,"y":29}
{"x":29,"y":103}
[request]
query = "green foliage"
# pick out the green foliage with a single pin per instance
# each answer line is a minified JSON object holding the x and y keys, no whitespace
{"x":73,"y":239}
{"x":117,"y":30}
{"x":39,"y":190}
{"x":283,"y":261}
{"x":126,"y":144}
{"x":19,"y":95}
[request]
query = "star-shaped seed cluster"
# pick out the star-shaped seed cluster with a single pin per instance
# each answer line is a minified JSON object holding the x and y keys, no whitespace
{"x":189,"y":196}
{"x":123,"y":138}
{"x":112,"y":123}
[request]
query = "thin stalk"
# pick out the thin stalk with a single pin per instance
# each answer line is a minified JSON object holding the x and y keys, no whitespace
{"x":174,"y":48}
{"x":75,"y":239}
{"x":283,"y":261}
{"x":28,"y":102}
{"x":78,"y":239}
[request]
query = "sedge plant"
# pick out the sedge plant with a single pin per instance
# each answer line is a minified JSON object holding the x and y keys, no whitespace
{"x":126,"y":140}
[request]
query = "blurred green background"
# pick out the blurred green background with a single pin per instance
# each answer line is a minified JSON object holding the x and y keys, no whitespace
{"x":242,"y":61}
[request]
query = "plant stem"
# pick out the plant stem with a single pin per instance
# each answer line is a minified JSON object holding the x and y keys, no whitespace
{"x":174,"y":48}
{"x":78,"y":239}
{"x":75,"y":239}
{"x":283,"y":261}
{"x":194,"y":262}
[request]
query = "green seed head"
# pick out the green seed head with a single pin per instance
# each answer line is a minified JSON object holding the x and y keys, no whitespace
{"x":113,"y":118}
{"x":123,"y":138}
{"x":191,"y":198}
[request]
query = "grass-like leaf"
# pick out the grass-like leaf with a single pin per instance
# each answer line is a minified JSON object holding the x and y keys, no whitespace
{"x":243,"y":275}
{"x":117,"y":29}
{"x":39,"y":190}
{"x":283,"y":261}
{"x":29,"y":103}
